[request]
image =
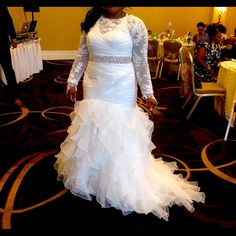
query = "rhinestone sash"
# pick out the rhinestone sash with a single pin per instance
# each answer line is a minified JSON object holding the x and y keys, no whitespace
{"x":110,"y":59}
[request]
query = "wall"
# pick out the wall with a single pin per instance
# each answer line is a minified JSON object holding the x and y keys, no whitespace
{"x":230,"y":20}
{"x":59,"y":27}
{"x":183,"y":19}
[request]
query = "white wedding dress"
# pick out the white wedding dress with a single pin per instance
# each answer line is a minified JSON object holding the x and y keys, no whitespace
{"x":107,"y":153}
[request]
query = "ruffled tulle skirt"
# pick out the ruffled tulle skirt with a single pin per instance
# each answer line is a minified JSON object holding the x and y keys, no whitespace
{"x":107,"y":155}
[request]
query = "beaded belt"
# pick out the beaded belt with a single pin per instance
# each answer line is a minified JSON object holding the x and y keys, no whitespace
{"x":110,"y":59}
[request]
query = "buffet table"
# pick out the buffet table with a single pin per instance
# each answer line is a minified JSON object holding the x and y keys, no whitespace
{"x":26,"y":60}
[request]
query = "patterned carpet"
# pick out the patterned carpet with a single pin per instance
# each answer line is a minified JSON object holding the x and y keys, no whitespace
{"x":32,"y":200}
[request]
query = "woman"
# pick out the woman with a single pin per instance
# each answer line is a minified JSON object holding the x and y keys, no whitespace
{"x":200,"y":32}
{"x":107,"y":153}
{"x":208,"y":56}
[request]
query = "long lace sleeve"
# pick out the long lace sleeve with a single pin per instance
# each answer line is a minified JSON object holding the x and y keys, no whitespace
{"x":79,"y":64}
{"x":140,"y":44}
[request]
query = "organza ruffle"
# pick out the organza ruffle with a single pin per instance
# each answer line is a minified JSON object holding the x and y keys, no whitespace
{"x":107,"y":154}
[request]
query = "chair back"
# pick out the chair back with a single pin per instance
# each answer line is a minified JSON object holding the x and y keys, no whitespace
{"x":183,"y":53}
{"x":163,"y":36}
{"x":187,"y":71}
{"x":152,"y":56}
{"x":171,"y":48}
{"x":152,"y":48}
{"x":190,"y":60}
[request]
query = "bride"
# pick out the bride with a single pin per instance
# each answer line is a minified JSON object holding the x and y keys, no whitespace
{"x":107,"y":152}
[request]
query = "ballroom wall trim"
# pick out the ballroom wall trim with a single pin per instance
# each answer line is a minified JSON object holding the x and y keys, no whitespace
{"x":59,"y":54}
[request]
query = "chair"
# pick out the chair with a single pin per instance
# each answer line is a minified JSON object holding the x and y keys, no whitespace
{"x":230,"y":120}
{"x":153,"y":58}
{"x":186,"y":83}
{"x":209,"y":89}
{"x":163,"y":36}
{"x":171,"y":54}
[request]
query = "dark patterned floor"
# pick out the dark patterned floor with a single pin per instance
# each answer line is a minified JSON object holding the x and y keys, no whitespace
{"x":32,"y":200}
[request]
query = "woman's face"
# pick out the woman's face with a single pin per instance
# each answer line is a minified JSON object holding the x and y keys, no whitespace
{"x":217,"y":37}
{"x":200,"y":30}
{"x":112,"y":10}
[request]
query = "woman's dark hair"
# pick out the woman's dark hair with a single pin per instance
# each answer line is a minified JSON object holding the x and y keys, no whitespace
{"x":201,"y":24}
{"x":212,"y":30}
{"x":222,"y":28}
{"x":90,"y":19}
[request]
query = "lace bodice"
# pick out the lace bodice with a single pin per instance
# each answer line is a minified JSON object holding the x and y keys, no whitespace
{"x":138,"y":52}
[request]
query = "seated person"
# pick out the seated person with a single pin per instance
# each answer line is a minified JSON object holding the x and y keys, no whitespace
{"x":223,"y":31}
{"x":200,"y":32}
{"x":234,"y":36}
{"x":229,"y":53}
{"x":229,"y":48}
{"x":208,"y":56}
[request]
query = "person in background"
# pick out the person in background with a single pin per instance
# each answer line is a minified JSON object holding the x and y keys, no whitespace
{"x":227,"y":44}
{"x":227,"y":52}
{"x":208,"y":56}
{"x":7,"y":40}
{"x":234,"y":36}
{"x":200,"y":32}
{"x":149,"y":34}
{"x":107,"y":152}
{"x":223,"y":31}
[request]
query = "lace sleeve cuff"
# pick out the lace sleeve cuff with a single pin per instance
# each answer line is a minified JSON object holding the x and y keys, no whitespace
{"x":69,"y":85}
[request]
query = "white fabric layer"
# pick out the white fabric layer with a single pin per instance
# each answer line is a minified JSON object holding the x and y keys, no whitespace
{"x":107,"y":153}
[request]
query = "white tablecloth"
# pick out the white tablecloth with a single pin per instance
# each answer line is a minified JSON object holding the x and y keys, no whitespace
{"x":227,"y":78}
{"x":26,"y":60}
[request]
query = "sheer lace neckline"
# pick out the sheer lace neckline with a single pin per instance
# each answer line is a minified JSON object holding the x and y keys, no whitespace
{"x":108,"y":24}
{"x":106,"y":18}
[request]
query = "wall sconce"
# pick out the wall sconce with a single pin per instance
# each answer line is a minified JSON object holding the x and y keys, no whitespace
{"x":221,"y":10}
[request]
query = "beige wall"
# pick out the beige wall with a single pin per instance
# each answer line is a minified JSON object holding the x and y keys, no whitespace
{"x":183,"y":19}
{"x":230,"y":20}
{"x":59,"y":27}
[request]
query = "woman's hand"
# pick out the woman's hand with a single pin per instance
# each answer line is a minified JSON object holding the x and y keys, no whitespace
{"x":212,"y":72}
{"x":151,"y":103}
{"x":72,"y":94}
{"x":13,"y":43}
{"x":154,"y":114}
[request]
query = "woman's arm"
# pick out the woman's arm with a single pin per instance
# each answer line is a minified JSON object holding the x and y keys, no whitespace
{"x":77,"y":69}
{"x":200,"y":59}
{"x":140,"y":45}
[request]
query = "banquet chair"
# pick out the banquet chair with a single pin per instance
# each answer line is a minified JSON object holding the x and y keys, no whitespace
{"x":163,"y":36}
{"x":230,"y":120}
{"x":209,"y":89}
{"x":185,"y":70}
{"x":171,"y":55}
{"x":153,"y":58}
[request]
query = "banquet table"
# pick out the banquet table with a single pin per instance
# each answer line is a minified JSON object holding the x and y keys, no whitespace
{"x":227,"y":78}
{"x":26,"y":60}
